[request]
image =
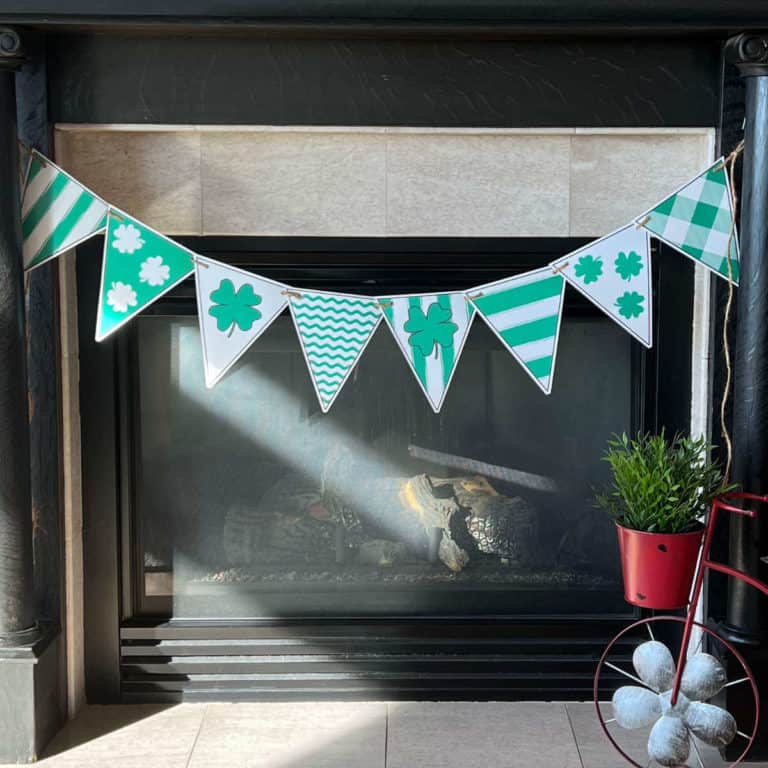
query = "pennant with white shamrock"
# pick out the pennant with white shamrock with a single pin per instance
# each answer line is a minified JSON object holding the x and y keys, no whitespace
{"x":614,"y":273}
{"x":525,"y":313}
{"x":697,"y":220}
{"x":431,"y":331}
{"x":334,"y":330}
{"x":139,"y":266}
{"x":57,"y":212}
{"x":234,"y":308}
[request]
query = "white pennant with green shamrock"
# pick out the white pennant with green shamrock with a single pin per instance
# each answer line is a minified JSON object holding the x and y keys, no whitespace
{"x":57,"y":212}
{"x":697,"y":220}
{"x":525,"y":313}
{"x":234,"y":308}
{"x":431,"y":331}
{"x":334,"y":329}
{"x":614,"y":273}
{"x":139,"y":266}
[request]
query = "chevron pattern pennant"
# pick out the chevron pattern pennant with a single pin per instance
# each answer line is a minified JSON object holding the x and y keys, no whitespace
{"x":334,"y":330}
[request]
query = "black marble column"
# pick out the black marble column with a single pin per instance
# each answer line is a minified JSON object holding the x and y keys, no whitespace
{"x":749,"y":52}
{"x":17,"y":617}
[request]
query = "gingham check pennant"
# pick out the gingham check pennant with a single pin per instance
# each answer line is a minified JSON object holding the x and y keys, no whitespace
{"x":696,"y":220}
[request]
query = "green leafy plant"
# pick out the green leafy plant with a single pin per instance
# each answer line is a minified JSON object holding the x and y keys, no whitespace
{"x":660,"y":485}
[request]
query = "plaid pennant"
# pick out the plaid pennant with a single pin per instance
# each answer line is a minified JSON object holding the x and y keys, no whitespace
{"x":696,"y":220}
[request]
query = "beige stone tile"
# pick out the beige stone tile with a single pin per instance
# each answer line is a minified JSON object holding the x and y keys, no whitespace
{"x":292,"y":735}
{"x":464,"y":735}
{"x":293,"y":183}
{"x":154,"y":176}
{"x":597,"y":752}
{"x":614,"y":178}
{"x":127,"y":736}
{"x":492,"y":185}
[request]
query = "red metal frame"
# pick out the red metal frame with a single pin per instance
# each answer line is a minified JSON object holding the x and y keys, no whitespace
{"x":705,"y":563}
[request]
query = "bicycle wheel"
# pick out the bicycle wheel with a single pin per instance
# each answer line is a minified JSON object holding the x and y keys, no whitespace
{"x":631,"y":695}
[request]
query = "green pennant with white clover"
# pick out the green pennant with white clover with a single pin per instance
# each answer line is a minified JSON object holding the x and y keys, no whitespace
{"x":139,"y":266}
{"x":57,"y":212}
{"x":697,"y":221}
{"x":431,"y":331}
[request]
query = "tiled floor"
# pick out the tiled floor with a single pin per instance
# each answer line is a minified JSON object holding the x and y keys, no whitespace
{"x":338,"y":735}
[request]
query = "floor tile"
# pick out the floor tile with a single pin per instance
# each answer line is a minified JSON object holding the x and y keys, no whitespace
{"x":140,"y":736}
{"x":597,"y":752}
{"x":292,"y":735}
{"x":482,"y":735}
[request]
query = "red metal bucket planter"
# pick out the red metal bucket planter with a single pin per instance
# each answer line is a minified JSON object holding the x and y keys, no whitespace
{"x":658,"y":568}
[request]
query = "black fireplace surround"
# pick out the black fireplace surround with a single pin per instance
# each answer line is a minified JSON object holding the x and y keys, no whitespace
{"x":265,"y":550}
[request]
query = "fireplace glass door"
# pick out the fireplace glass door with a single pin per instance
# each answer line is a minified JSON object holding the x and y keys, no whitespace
{"x":249,"y":502}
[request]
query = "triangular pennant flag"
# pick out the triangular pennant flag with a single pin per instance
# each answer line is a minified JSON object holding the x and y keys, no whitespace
{"x":431,"y":330}
{"x":139,"y":266}
{"x":697,"y":219}
{"x":334,"y":330}
{"x":525,"y":312}
{"x":614,"y":273}
{"x":57,"y":212}
{"x":234,"y":308}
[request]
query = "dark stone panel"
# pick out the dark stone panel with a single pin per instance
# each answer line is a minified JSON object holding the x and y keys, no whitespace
{"x":670,"y":15}
{"x":42,"y":358}
{"x":358,"y":81}
{"x":101,"y":592}
{"x":31,"y":702}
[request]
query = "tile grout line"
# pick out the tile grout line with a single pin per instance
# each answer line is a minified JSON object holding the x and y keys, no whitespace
{"x":386,"y":734}
{"x":197,"y":736}
{"x":573,"y":733}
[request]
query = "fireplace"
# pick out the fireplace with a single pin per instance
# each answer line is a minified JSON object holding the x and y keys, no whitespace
{"x":380,"y":549}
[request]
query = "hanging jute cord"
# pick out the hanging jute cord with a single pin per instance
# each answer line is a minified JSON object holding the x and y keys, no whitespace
{"x":730,"y":164}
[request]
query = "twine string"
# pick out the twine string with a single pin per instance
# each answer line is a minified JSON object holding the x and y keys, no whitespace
{"x":730,"y":164}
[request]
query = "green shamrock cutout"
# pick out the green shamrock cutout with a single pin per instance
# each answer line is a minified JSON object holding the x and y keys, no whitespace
{"x":630,"y":304}
{"x":234,"y":308}
{"x":589,"y":269}
{"x":429,"y":330}
{"x":628,"y":265}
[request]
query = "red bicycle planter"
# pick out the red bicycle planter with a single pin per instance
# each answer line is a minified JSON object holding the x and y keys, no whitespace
{"x":671,"y":693}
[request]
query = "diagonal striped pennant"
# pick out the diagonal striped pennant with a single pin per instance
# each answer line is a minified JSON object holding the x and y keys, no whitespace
{"x":57,"y":212}
{"x":525,"y":313}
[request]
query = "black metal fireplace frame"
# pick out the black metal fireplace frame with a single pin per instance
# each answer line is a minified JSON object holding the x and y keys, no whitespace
{"x":129,"y":656}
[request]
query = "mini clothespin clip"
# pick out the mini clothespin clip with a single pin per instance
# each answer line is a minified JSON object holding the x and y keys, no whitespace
{"x":640,"y":224}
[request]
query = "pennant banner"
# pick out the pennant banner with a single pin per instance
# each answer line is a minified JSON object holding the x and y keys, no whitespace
{"x":57,"y":212}
{"x":614,"y":273}
{"x":525,"y":312}
{"x":431,"y":331}
{"x":334,"y":330}
{"x":139,"y":266}
{"x":696,"y":220}
{"x":234,"y":308}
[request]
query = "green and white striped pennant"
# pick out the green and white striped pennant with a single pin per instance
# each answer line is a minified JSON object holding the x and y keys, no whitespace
{"x":525,"y":313}
{"x":334,"y":330}
{"x":139,"y":266}
{"x":431,"y":331}
{"x":57,"y":212}
{"x":697,"y":221}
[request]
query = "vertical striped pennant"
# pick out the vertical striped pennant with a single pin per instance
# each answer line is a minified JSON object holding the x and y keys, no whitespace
{"x":431,"y":331}
{"x":234,"y":308}
{"x":57,"y":212}
{"x":614,"y":273}
{"x":334,"y":329}
{"x":525,"y":313}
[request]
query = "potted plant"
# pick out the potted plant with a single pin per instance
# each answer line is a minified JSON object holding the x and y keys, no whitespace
{"x":661,"y":491}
